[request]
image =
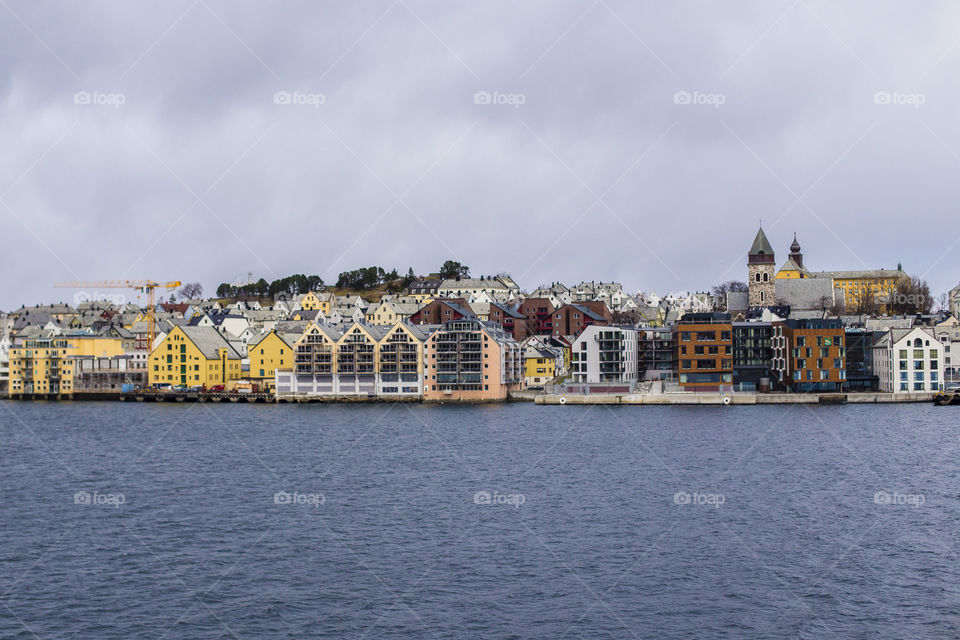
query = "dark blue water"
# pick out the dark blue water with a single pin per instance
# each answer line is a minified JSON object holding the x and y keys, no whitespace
{"x":161,"y":521}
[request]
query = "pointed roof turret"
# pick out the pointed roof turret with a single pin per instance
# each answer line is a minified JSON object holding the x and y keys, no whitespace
{"x":761,"y":246}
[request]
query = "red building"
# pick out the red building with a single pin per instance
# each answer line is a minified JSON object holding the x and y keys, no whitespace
{"x":539,"y":314}
{"x":512,"y":321}
{"x":440,"y":311}
{"x":571,"y":319}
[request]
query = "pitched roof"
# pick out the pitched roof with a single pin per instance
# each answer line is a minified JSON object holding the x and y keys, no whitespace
{"x":805,"y":293}
{"x":761,"y":244}
{"x":791,"y":265}
{"x":209,"y":341}
{"x":866,"y":273}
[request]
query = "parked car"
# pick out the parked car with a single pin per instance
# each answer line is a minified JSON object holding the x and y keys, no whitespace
{"x":196,"y":388}
{"x":180,"y":388}
{"x":953,"y":387}
{"x":161,"y":386}
{"x":217,"y":388}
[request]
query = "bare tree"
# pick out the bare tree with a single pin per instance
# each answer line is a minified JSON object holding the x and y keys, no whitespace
{"x":190,"y":291}
{"x":910,"y":296}
{"x":864,"y":303}
{"x":942,"y":303}
{"x":720,"y":291}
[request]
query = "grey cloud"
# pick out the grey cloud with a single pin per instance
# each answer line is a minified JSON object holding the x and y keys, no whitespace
{"x":304,"y":189}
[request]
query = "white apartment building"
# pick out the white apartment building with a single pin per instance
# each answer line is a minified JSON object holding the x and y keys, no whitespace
{"x":909,"y":361}
{"x":4,"y":363}
{"x":948,"y":333}
{"x":605,"y":354}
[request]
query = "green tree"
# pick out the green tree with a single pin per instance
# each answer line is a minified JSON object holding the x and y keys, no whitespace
{"x":453,"y":269}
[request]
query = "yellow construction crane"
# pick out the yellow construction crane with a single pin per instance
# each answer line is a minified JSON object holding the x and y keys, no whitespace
{"x":144,"y":286}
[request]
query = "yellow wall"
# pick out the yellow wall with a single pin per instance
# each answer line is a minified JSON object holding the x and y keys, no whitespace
{"x":788,"y":274}
{"x":176,"y":360}
{"x":875,"y":286}
{"x":311,"y":302}
{"x":46,"y":366}
{"x":539,"y":367}
{"x":267,"y":356}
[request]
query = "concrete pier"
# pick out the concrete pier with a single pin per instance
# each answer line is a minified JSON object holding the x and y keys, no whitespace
{"x":735,"y":399}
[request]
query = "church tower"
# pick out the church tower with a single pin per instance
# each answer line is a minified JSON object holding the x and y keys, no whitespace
{"x":761,"y":269}
{"x":795,"y":254}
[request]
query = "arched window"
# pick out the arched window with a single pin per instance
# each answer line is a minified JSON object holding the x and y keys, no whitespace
{"x":758,"y":276}
{"x":761,"y":296}
{"x":766,"y":277}
{"x":918,"y":343}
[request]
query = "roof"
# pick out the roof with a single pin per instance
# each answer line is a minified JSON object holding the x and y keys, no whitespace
{"x":473,"y":283}
{"x":867,"y":273}
{"x":791,"y":265}
{"x":804,"y":293}
{"x":587,"y":312}
{"x":760,"y":244}
{"x":287,"y":338}
{"x":510,"y":311}
{"x":210,"y":341}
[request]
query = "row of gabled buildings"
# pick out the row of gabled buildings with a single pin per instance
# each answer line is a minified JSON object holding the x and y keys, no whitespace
{"x":786,"y":330}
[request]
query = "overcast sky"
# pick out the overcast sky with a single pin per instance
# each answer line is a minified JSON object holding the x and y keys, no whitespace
{"x":201,"y":140}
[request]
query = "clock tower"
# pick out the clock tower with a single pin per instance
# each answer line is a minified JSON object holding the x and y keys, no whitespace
{"x":761,"y":269}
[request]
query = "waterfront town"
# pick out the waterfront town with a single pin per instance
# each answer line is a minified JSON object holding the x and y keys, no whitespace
{"x":447,"y":336}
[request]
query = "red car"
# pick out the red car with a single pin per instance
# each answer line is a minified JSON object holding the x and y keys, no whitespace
{"x":217,"y":388}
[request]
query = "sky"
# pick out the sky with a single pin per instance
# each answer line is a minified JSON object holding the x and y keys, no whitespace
{"x":639,"y":142}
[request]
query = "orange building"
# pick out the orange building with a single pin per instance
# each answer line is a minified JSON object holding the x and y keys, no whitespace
{"x":703,"y":344}
{"x":469,"y":360}
{"x":810,"y":355}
